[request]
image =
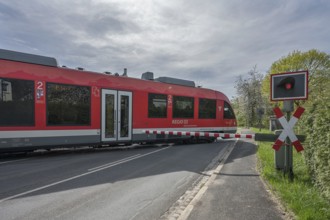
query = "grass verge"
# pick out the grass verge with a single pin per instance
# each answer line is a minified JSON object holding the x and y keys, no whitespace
{"x":300,"y":196}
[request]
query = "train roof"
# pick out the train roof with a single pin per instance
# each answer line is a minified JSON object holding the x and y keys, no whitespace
{"x":27,"y":58}
{"x":169,"y":80}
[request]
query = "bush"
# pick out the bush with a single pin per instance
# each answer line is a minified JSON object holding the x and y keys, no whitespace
{"x":316,"y":124}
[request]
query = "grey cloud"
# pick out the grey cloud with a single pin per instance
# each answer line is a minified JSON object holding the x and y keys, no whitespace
{"x":9,"y":13}
{"x":102,"y":22}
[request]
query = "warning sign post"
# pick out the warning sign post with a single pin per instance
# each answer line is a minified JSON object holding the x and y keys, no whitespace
{"x":288,"y":87}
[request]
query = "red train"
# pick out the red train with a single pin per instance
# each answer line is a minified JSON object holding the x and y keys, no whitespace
{"x":43,"y":105}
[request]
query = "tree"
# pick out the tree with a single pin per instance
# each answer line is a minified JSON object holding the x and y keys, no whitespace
{"x":249,"y":99}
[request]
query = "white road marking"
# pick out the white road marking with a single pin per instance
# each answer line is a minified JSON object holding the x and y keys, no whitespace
{"x":93,"y":170}
{"x":12,"y":161}
{"x":114,"y":163}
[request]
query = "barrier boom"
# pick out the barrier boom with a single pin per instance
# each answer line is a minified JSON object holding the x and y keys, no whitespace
{"x":199,"y":134}
{"x":256,"y":137}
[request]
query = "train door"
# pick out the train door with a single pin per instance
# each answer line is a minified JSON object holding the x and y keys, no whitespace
{"x":116,"y":115}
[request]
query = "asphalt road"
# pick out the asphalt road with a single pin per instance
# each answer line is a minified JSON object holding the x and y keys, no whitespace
{"x":141,"y":183}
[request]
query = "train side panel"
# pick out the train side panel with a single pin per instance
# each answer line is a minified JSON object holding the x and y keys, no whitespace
{"x":37,"y":133}
{"x":33,"y":96}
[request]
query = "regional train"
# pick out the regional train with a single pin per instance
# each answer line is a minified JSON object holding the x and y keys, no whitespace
{"x":44,"y":106}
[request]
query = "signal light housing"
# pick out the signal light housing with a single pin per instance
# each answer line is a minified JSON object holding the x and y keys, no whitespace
{"x":287,"y":83}
{"x":289,"y":86}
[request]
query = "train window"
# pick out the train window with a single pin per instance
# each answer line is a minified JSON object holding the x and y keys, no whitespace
{"x":183,"y":107}
{"x":207,"y":109}
{"x":157,"y":106}
{"x":68,"y":104}
{"x":16,"y":102}
{"x":228,"y":112}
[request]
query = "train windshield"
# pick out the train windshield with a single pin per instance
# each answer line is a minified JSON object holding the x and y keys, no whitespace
{"x":228,"y":112}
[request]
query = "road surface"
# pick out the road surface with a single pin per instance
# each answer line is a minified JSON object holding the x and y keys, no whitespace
{"x":140,"y":183}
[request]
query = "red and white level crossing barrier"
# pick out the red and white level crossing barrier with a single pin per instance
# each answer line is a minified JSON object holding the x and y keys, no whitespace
{"x":287,"y":129}
{"x":199,"y":134}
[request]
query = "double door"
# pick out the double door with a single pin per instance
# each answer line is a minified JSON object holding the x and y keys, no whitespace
{"x":116,"y":118}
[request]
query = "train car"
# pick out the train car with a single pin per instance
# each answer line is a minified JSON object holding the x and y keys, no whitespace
{"x":43,"y":105}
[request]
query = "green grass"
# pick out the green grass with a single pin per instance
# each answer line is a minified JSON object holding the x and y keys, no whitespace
{"x":300,"y":196}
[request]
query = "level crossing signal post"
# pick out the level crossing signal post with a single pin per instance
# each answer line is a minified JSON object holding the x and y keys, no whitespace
{"x":288,"y":107}
{"x":288,"y":87}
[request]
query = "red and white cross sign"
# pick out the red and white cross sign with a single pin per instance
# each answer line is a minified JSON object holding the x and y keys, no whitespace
{"x":287,"y":129}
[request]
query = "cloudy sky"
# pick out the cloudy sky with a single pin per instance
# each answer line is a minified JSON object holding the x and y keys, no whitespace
{"x":208,"y":41}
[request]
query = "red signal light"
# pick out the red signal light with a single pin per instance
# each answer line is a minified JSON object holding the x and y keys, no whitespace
{"x":288,"y":86}
{"x":287,"y":83}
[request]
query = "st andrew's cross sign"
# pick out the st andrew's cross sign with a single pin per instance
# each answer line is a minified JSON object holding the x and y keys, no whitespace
{"x":287,"y":129}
